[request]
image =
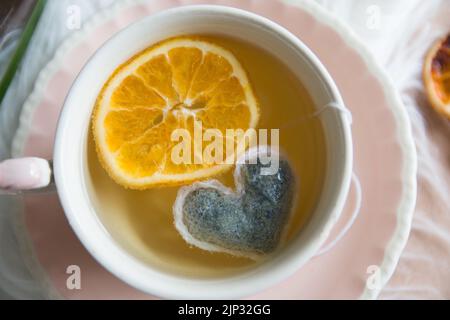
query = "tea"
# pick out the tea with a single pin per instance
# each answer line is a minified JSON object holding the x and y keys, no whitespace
{"x":142,"y":221}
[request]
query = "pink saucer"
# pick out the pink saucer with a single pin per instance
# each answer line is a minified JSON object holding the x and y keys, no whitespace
{"x":385,"y":161}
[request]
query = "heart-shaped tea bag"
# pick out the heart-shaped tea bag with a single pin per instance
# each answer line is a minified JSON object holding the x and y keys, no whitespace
{"x":246,"y":222}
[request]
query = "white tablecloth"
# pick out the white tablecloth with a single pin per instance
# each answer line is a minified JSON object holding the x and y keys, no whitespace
{"x":397,"y":32}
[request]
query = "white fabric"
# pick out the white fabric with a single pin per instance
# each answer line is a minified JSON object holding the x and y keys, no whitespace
{"x":397,"y":32}
{"x":407,"y":28}
{"x":15,"y":280}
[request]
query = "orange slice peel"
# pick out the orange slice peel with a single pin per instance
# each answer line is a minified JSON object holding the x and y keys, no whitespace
{"x":169,"y":86}
{"x":436,"y":76}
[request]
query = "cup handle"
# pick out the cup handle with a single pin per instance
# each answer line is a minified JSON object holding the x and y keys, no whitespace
{"x":26,"y":175}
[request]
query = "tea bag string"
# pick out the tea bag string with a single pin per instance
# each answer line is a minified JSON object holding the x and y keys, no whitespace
{"x":355,"y":181}
{"x":336,"y":106}
{"x":351,"y":221}
{"x":332,"y":105}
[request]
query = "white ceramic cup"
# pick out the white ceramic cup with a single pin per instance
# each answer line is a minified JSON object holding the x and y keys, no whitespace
{"x":70,"y":153}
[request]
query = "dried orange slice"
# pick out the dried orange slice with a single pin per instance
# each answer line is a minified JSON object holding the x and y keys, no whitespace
{"x":169,"y":86}
{"x":436,"y":75}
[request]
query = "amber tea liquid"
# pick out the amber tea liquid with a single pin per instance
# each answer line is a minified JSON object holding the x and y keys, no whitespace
{"x":142,"y":221}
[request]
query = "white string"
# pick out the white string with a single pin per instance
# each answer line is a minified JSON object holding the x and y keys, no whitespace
{"x":355,"y":181}
{"x":349,"y":224}
{"x":337,"y":106}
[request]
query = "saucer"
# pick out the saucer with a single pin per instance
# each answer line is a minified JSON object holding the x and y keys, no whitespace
{"x":358,"y":266}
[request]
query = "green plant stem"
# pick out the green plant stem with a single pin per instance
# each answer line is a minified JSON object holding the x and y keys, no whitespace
{"x":21,"y":47}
